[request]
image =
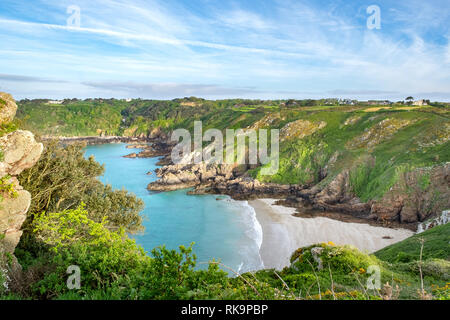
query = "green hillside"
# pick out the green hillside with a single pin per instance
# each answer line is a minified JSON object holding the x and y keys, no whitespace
{"x":436,"y":246}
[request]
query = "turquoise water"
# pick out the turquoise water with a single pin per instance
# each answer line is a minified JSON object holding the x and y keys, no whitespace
{"x":221,"y":229}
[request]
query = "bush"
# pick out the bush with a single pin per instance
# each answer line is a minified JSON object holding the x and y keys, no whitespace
{"x":103,"y":256}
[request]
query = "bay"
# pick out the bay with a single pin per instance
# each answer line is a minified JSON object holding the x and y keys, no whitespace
{"x":224,"y":229}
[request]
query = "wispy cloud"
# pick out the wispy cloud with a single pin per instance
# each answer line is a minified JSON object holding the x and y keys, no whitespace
{"x":19,"y":78}
{"x":219,"y":49}
{"x":171,"y":90}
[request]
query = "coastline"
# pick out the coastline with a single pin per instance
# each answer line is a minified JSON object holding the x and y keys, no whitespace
{"x":93,"y":140}
{"x":283,"y":233}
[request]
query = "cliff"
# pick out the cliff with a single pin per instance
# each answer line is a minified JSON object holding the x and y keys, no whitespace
{"x":18,"y":151}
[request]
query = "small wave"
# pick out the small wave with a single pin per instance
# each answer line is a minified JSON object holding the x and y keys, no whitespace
{"x":256,"y":233}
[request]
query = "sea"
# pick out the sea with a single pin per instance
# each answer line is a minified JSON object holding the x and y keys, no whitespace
{"x":220,"y":227}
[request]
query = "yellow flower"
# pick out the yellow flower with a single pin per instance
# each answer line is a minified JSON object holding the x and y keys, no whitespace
{"x":331,"y":243}
{"x":361,"y":270}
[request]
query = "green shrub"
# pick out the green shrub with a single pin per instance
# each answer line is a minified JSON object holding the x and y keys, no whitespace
{"x":7,"y":188}
{"x":103,"y":256}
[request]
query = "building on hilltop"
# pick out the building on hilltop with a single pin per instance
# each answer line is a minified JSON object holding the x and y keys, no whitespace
{"x":55,"y":101}
{"x":421,"y":102}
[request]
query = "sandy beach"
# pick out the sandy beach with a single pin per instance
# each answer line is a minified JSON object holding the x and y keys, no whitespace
{"x":284,"y":233}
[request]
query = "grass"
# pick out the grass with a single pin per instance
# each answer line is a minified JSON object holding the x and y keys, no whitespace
{"x":374,"y":171}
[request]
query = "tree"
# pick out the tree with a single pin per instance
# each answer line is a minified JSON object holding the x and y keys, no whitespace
{"x":409,"y":100}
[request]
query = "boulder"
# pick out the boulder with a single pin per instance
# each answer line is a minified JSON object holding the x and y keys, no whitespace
{"x":20,"y":152}
{"x":409,"y":213}
{"x":12,"y":214}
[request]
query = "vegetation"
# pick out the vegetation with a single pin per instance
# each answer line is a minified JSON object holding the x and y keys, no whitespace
{"x":77,"y":221}
{"x":113,"y":267}
{"x":7,"y":188}
{"x":435,"y":246}
{"x":9,"y":127}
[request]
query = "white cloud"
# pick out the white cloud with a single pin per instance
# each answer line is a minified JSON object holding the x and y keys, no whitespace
{"x":295,"y":47}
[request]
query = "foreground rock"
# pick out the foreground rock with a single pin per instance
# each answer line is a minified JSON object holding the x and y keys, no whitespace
{"x":92,"y":140}
{"x":8,"y":108}
{"x":19,"y":151}
{"x":414,"y":198}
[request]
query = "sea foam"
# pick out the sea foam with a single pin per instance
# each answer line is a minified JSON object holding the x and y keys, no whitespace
{"x":251,"y":253}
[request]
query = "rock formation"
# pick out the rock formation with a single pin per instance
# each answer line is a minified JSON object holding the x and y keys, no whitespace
{"x":18,"y":151}
{"x":217,"y":179}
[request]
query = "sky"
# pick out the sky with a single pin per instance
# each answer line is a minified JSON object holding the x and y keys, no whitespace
{"x":265,"y":49}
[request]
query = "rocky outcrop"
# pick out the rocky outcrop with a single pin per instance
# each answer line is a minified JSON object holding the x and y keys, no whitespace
{"x":181,"y":176}
{"x":337,"y":196}
{"x":157,"y":148}
{"x":19,"y":151}
{"x":418,"y":195}
{"x":300,"y":129}
{"x":378,"y":133}
{"x":408,"y":202}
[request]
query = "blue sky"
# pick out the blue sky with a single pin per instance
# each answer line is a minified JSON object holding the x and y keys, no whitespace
{"x":225,"y":49}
